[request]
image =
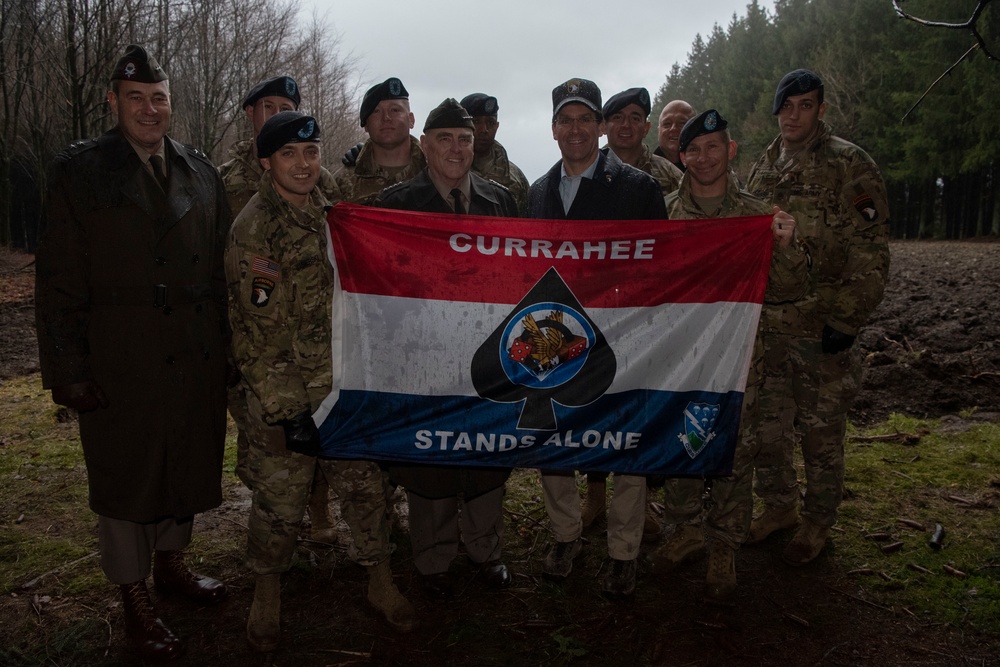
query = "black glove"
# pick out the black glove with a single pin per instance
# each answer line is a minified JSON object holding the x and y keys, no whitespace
{"x":83,"y":396}
{"x":834,"y":341}
{"x":301,"y":434}
{"x":351,"y":156}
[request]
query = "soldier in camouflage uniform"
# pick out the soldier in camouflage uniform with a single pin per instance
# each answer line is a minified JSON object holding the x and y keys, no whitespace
{"x":241,"y":176}
{"x":280,"y":299}
{"x":491,"y":160}
{"x":390,"y":155}
{"x":812,"y":369}
{"x":708,"y":190}
{"x":626,"y":118}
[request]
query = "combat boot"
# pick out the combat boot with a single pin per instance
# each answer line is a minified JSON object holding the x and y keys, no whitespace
{"x":685,"y":544}
{"x":720,"y":579}
{"x":322,"y":527}
{"x":594,"y":503}
{"x":384,"y":596}
{"x":264,"y":624}
{"x":808,"y":542}
{"x":773,"y":519}
{"x":152,"y":639}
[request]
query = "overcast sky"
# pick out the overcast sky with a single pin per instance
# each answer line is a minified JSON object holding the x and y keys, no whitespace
{"x":518,"y":51}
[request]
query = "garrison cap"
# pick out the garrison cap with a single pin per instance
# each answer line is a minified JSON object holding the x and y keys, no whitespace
{"x":390,"y":89}
{"x":448,"y":114}
{"x":577,"y":90}
{"x":279,"y":86}
{"x":137,"y":65}
{"x":636,"y":96}
{"x":480,"y":104}
{"x":796,"y":82}
{"x":286,"y":127}
{"x":706,"y":122}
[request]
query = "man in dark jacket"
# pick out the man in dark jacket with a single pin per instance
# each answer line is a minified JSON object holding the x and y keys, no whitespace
{"x":447,"y":185}
{"x":130,"y":302}
{"x":588,"y":184}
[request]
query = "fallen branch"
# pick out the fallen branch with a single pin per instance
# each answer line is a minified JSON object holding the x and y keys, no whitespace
{"x":907,"y":439}
{"x":65,"y":566}
{"x":903,"y":475}
{"x":891,"y":548}
{"x":963,"y":501}
{"x":855,"y":597}
{"x":918,"y":568}
{"x":955,"y":572}
{"x":801,"y":621}
{"x":916,"y":525}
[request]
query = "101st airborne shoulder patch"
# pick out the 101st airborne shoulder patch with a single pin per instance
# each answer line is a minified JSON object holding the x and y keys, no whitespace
{"x":260,"y":291}
{"x":866,"y":207}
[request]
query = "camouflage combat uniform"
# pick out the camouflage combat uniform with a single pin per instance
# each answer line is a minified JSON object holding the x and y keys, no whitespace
{"x":361,"y":183}
{"x":660,"y":168}
{"x":836,"y":193}
{"x":728,"y":517}
{"x":280,"y":299}
{"x":497,"y":167}
{"x":241,"y":177}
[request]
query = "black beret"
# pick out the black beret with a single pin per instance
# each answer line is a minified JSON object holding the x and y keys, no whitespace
{"x":448,"y":114}
{"x":796,"y":82}
{"x":137,"y":65}
{"x":480,"y":104}
{"x":706,"y":122}
{"x":390,"y":89}
{"x":286,"y":127}
{"x":279,"y":86}
{"x":636,"y":96}
{"x":576,"y":90}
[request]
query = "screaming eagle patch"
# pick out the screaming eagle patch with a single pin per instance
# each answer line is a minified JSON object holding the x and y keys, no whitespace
{"x":260,"y":291}
{"x":866,"y":207}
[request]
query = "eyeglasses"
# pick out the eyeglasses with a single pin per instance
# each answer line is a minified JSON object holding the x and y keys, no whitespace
{"x":582,"y":121}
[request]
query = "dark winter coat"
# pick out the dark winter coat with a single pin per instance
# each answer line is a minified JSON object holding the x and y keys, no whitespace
{"x":616,"y":192}
{"x":130,"y":293}
{"x":487,"y":198}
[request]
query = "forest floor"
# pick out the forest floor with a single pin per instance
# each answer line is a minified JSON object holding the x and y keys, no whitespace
{"x":932,"y":352}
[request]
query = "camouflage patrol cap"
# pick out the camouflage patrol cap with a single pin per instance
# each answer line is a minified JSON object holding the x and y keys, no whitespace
{"x":796,"y":82}
{"x":577,"y":90}
{"x":390,"y":89}
{"x":286,"y":127}
{"x":137,"y":65}
{"x":706,"y":122}
{"x":278,"y":86}
{"x":480,"y":104}
{"x":636,"y":96}
{"x":448,"y":114}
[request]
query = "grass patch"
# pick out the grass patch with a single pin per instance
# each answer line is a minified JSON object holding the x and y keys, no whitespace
{"x":948,"y":478}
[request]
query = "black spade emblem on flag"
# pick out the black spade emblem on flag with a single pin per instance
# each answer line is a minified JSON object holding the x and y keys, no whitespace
{"x":546,"y":350}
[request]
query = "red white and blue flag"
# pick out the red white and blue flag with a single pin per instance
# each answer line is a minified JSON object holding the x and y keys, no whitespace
{"x":576,"y":345}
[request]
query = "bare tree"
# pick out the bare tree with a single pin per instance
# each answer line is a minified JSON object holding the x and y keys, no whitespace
{"x":972,"y":25}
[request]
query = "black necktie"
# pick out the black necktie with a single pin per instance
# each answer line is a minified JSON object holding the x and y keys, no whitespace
{"x":456,"y":194}
{"x":156,"y":162}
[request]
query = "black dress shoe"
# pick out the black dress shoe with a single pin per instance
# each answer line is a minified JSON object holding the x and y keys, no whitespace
{"x":439,"y":586}
{"x":171,"y":575}
{"x":496,"y":574}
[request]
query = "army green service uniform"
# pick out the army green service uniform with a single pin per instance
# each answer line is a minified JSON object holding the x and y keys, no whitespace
{"x":362,"y":182}
{"x":280,"y":300}
{"x":728,"y":517}
{"x":837,"y":196}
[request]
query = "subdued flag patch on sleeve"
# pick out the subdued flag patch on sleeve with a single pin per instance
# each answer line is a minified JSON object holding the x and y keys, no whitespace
{"x":265,"y":267}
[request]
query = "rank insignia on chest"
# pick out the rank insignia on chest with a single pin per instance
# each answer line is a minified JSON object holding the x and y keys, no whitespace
{"x":265,"y":267}
{"x":260,"y":291}
{"x":866,"y":207}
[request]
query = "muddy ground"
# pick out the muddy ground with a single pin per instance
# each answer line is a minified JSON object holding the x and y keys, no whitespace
{"x":932,"y":350}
